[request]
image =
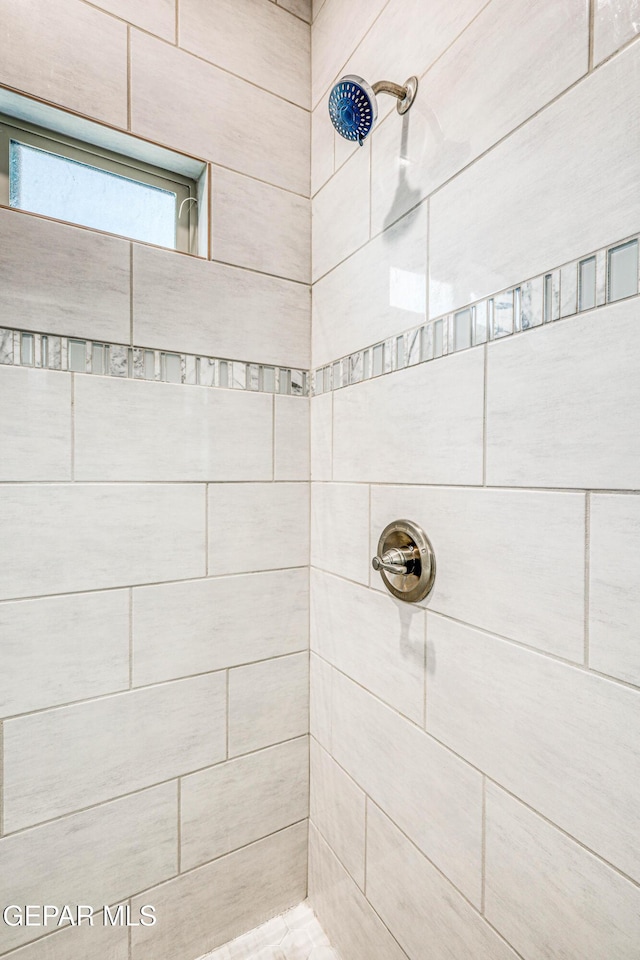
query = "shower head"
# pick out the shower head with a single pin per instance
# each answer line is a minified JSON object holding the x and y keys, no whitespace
{"x":353,"y":104}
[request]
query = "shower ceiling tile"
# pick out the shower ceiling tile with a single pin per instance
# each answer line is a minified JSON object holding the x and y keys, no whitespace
{"x":257,"y":41}
{"x":95,"y":857}
{"x":368,"y":637}
{"x":382,"y":436}
{"x":563,"y":740}
{"x":221,"y":622}
{"x":268,"y":703}
{"x":338,"y":811}
{"x":614,"y":570}
{"x":42,"y":781}
{"x":578,"y":436}
{"x":489,"y":226}
{"x":164,"y":108}
{"x":379,"y":291}
{"x":615,"y":23}
{"x":341,"y":214}
{"x":489,"y":552}
{"x":35,"y":420}
{"x":395,"y":762}
{"x":534,"y":871}
{"x":335,"y":508}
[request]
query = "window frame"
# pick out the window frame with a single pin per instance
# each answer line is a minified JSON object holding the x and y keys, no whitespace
{"x":50,"y":141}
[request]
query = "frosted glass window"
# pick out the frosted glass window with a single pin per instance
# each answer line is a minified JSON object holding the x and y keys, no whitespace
{"x":66,"y":189}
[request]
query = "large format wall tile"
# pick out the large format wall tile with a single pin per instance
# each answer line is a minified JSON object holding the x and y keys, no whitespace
{"x":336,"y":33}
{"x":421,"y":425}
{"x":256,"y":41}
{"x":42,"y":781}
{"x":78,"y":943}
{"x":258,"y":526}
{"x":235,"y":803}
{"x":562,"y":403}
{"x":321,"y":416}
{"x":341,"y":214}
{"x":498,"y":82}
{"x":291,"y":439}
{"x":432,"y":795}
{"x":155,"y":16}
{"x":340,"y":529}
{"x":615,"y":23}
{"x":258,"y":226}
{"x":184,"y":303}
{"x":35,"y":425}
{"x":549,"y":896}
{"x":322,"y":133}
{"x":509,"y":561}
{"x":561,"y":739}
{"x":268,"y":703}
{"x":338,"y":811}
{"x":376,"y":640}
{"x":489,"y":226}
{"x":62,"y":649}
{"x":96,"y":857}
{"x":128,"y":430}
{"x":320,"y":681}
{"x":187,"y":628}
{"x":54,"y":536}
{"x":418,"y":905}
{"x":77,"y":59}
{"x":164,"y":108}
{"x":614,"y":571}
{"x":346,"y":915}
{"x":39,"y":256}
{"x":380,"y":291}
{"x":215,"y":903}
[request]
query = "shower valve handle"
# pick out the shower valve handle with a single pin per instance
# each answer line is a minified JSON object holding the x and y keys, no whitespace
{"x":396,"y":560}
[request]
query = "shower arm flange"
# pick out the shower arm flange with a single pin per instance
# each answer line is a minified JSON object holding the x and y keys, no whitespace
{"x":404,"y":95}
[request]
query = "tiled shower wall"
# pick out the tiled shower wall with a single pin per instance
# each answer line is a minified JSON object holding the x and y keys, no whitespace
{"x":475,"y":774}
{"x":154,"y":548}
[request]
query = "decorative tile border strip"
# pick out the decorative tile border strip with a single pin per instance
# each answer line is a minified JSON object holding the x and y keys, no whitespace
{"x":73,"y":354}
{"x":295,"y":935}
{"x":600,"y":278}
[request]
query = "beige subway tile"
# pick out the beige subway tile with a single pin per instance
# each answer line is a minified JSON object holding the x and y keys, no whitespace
{"x":320,"y":705}
{"x":548,"y":895}
{"x":346,"y":915}
{"x":338,"y":812}
{"x":260,"y":227}
{"x":186,"y":628}
{"x":418,"y":905}
{"x":268,"y":703}
{"x":376,"y":640}
{"x":68,"y":53}
{"x":183,"y":303}
{"x":238,"y":802}
{"x":504,"y":203}
{"x":35,"y":425}
{"x":335,"y":509}
{"x":378,"y":292}
{"x":62,"y":649}
{"x":96,"y":857}
{"x":341,"y":215}
{"x":62,"y":760}
{"x":155,"y":16}
{"x":38,"y":258}
{"x":577,"y":437}
{"x":256,"y":41}
{"x":559,"y":738}
{"x":614,"y":569}
{"x":134,"y":430}
{"x":321,"y":415}
{"x":215,"y":903}
{"x":258,"y":526}
{"x":615,"y":23}
{"x":492,"y":567}
{"x":291,"y":429}
{"x":165,"y":109}
{"x":56,"y":536}
{"x":380,"y":435}
{"x":395,"y":762}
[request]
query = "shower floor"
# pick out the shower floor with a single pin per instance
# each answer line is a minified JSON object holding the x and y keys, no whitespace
{"x":295,"y":935}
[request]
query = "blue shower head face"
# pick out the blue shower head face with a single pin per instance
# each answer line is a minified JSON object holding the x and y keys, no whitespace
{"x":353,"y":108}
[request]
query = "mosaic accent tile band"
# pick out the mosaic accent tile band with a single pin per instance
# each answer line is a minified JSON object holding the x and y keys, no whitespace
{"x":27,"y":349}
{"x":295,"y":935}
{"x":602,"y":277}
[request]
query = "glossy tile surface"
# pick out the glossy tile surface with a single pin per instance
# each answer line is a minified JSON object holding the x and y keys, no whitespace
{"x":155,"y":16}
{"x":335,"y":509}
{"x":36,"y":443}
{"x":321,"y":414}
{"x":337,"y":31}
{"x":341,"y":214}
{"x":291,"y":440}
{"x":614,"y":604}
{"x":338,"y":811}
{"x":320,"y":681}
{"x":560,"y":739}
{"x":268,"y":703}
{"x":615,"y":23}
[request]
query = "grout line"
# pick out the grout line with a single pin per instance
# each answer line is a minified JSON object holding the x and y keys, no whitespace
{"x":587,"y":574}
{"x":484,"y":846}
{"x":484,"y":413}
{"x":591,"y":38}
{"x":128,"y":77}
{"x":177,"y":23}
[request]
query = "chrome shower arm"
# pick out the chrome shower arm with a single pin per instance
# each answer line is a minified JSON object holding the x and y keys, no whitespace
{"x":394,"y":89}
